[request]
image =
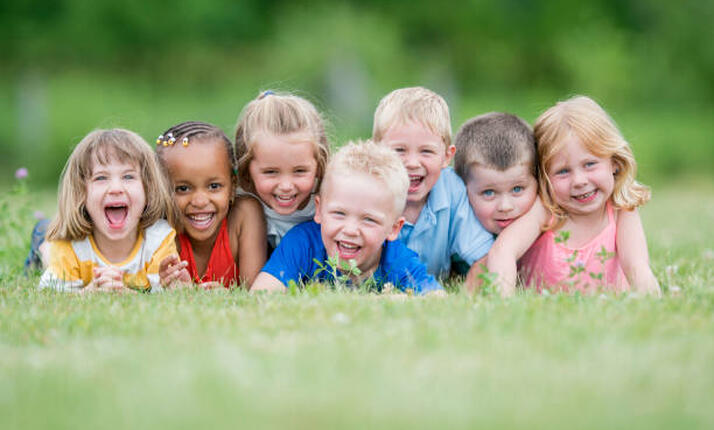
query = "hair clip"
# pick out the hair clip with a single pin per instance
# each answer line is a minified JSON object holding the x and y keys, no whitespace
{"x":265,"y":94}
{"x":185,"y":141}
{"x":159,"y":139}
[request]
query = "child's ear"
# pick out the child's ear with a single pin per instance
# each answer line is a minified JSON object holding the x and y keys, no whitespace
{"x":396,"y":228}
{"x":317,"y":217}
{"x":450,"y":151}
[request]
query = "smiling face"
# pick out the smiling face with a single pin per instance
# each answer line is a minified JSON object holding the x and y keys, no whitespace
{"x":499,"y":197}
{"x":423,"y":154}
{"x":356,"y":213}
{"x":283,"y":170}
{"x":581,"y":182}
{"x":115,"y":202}
{"x":201,"y":178}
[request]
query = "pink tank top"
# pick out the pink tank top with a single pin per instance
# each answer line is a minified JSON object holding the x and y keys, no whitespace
{"x":587,"y":269}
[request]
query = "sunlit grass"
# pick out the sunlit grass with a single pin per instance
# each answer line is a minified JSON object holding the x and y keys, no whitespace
{"x":337,"y":359}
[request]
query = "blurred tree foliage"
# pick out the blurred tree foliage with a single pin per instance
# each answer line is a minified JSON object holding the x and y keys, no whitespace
{"x":640,"y":48}
{"x":72,"y":65}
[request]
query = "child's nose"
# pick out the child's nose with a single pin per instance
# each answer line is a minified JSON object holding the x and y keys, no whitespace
{"x":579,"y":178}
{"x":411,"y":160}
{"x":285,"y":184}
{"x":505,"y":204}
{"x":199,"y":199}
{"x":115,"y":185}
{"x":349,"y":227}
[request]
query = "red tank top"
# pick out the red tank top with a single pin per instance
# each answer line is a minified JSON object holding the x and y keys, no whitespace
{"x":221,"y":265}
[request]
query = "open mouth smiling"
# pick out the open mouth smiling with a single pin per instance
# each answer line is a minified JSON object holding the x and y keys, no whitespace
{"x":115,"y":214}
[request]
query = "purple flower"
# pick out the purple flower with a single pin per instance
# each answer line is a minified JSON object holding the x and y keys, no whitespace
{"x":21,"y":173}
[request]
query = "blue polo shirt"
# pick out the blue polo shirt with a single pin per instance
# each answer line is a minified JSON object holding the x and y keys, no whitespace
{"x":294,"y":259}
{"x":447,"y":226}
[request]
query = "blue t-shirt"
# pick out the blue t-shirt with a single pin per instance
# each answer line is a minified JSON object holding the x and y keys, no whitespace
{"x":447,"y":226}
{"x":293,"y":260}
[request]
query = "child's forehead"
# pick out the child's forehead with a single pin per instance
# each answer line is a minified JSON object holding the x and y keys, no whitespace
{"x":409,"y":129}
{"x":106,"y":155}
{"x":480,"y":172}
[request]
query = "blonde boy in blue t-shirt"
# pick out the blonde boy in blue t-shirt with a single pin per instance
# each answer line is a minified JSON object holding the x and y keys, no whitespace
{"x":415,"y":123}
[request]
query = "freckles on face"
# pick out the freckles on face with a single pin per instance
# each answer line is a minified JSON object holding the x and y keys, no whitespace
{"x":499,"y":197}
{"x":284,"y":170}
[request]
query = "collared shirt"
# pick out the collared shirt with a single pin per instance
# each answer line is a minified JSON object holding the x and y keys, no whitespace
{"x":297,"y":256}
{"x":447,"y":226}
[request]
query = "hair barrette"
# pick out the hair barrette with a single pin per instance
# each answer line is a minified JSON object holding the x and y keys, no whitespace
{"x":185,"y":141}
{"x":265,"y":94}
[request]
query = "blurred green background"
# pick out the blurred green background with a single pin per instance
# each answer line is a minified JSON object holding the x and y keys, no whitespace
{"x":69,"y":66}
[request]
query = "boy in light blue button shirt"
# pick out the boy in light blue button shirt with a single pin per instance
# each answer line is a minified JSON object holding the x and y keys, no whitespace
{"x":415,"y":123}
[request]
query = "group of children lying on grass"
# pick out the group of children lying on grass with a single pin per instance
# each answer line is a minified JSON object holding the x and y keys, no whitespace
{"x":557,"y":203}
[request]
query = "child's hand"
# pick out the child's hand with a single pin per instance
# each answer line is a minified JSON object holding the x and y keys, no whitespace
{"x":107,"y":279}
{"x":172,"y":270}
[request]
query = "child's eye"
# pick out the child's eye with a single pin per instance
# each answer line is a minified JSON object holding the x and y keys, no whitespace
{"x":300,"y":170}
{"x":370,"y":220}
{"x":99,"y":178}
{"x":561,"y":171}
{"x":517,"y":189}
{"x":338,"y":213}
{"x":488,"y":193}
{"x":590,"y":163}
{"x":128,"y":176}
{"x":215,"y":186}
{"x":270,"y":172}
{"x":181,"y":188}
{"x":399,"y":150}
{"x":428,"y":151}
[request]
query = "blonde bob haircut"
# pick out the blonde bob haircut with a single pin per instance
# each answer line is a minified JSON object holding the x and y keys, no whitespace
{"x":105,"y":146}
{"x":583,"y":117}
{"x":414,"y":104}
{"x":278,"y":114}
{"x":380,"y":162}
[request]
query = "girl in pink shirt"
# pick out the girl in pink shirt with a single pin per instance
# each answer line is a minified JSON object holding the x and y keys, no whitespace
{"x":584,"y":233}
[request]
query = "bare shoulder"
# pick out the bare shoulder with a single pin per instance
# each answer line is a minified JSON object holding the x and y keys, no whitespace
{"x":245,"y":209}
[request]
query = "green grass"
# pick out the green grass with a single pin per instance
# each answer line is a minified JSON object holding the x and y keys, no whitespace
{"x":190,"y":359}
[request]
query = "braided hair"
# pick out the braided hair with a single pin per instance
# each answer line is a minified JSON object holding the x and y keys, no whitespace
{"x":191,"y":132}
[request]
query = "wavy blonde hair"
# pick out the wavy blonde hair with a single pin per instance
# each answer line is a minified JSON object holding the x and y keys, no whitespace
{"x":415,"y":104}
{"x":278,"y":114}
{"x":378,"y":161}
{"x":583,"y":117}
{"x":105,"y":146}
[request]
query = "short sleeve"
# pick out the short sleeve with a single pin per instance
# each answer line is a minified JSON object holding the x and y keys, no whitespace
{"x":469,"y":240}
{"x":292,"y":259}
{"x":166,"y":247}
{"x":63,"y":272}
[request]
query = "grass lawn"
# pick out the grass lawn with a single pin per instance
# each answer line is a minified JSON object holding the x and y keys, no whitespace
{"x":189,"y":359}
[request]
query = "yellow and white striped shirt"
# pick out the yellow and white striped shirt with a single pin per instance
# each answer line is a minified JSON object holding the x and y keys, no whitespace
{"x":72,"y":262}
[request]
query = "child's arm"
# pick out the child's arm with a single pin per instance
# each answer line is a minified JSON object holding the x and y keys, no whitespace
{"x":267,"y":282}
{"x":632,"y":253}
{"x":512,"y":243}
{"x":252,"y":243}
